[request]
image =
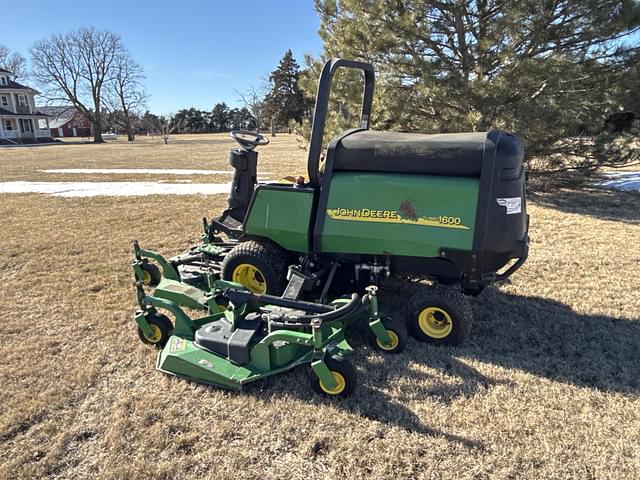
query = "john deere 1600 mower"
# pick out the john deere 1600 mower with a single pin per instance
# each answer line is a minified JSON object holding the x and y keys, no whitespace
{"x":449,"y":208}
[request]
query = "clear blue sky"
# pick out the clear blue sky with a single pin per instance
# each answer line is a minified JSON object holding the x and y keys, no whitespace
{"x":195,"y":53}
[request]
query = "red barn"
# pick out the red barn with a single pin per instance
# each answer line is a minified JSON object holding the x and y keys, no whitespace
{"x":66,"y":121}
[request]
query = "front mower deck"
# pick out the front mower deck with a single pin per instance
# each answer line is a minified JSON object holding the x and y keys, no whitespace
{"x":243,"y":337}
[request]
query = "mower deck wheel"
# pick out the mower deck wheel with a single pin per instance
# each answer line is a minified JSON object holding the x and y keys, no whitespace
{"x":439,"y":314}
{"x":161,"y":328}
{"x":344,"y":375}
{"x":397,"y":331}
{"x":259,"y":266}
{"x":151,"y":275}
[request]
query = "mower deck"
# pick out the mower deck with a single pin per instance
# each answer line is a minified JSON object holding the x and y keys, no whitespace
{"x":243,"y":337}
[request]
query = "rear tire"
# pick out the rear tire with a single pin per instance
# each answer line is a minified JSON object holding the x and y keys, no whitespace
{"x":343,"y":372}
{"x":439,"y":314}
{"x":259,"y":266}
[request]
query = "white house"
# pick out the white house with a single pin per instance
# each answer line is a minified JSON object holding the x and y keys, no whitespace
{"x":20,"y":121}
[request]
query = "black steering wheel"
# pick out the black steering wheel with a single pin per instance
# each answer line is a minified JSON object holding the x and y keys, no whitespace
{"x":249,"y":140}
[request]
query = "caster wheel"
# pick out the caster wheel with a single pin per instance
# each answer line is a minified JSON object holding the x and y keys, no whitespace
{"x":344,"y":375}
{"x":161,"y":328}
{"x":397,"y":331}
{"x":151,"y":275}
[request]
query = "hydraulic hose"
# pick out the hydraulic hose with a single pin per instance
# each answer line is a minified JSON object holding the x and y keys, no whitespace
{"x":325,"y":318}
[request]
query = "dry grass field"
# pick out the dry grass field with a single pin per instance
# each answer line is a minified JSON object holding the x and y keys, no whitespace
{"x":546,"y":387}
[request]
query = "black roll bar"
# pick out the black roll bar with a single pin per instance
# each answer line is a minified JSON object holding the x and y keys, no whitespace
{"x":322,"y":104}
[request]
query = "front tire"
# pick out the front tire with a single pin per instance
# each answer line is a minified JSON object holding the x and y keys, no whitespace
{"x":260,"y":266}
{"x":344,"y":375}
{"x":439,"y":314}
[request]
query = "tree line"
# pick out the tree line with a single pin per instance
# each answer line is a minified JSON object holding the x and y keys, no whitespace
{"x":274,"y":105}
{"x":277,"y":105}
{"x":220,"y":118}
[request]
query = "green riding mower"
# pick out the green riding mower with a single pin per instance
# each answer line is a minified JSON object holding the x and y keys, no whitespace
{"x":242,"y":336}
{"x":446,"y":208}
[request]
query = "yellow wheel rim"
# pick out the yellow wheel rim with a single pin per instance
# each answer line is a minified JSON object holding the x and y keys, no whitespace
{"x":156,"y":333}
{"x":146,"y":277}
{"x":341,"y":384}
{"x":435,"y":322}
{"x":392,"y":345}
{"x":250,"y":277}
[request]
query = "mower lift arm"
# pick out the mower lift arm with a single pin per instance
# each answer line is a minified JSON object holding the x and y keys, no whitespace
{"x":318,"y":311}
{"x":324,"y":318}
{"x":168,"y":270}
{"x":322,"y":104}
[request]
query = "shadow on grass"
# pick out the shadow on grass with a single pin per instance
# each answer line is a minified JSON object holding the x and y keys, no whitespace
{"x":371,"y":402}
{"x":540,"y":336}
{"x":367,"y":402}
{"x":595,"y":202}
{"x":548,"y":339}
{"x":535,"y":335}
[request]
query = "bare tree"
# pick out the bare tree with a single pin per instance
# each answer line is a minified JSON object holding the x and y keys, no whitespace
{"x":126,"y":97}
{"x":165,"y":129}
{"x":77,"y":68}
{"x":253,"y":99}
{"x":159,"y":125}
{"x":14,"y":62}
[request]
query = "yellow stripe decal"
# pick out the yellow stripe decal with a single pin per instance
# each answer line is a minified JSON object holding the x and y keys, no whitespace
{"x":357,"y":216}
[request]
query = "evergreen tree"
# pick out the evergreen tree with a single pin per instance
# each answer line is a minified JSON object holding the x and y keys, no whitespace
{"x":241,"y":119}
{"x":190,"y":120}
{"x":534,"y":67}
{"x":220,"y":117}
{"x":149,"y":122}
{"x":285,"y":100}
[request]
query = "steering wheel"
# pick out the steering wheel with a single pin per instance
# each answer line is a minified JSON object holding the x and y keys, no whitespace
{"x":249,"y":140}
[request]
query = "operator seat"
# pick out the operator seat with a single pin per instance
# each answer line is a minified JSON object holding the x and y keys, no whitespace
{"x":412,"y":153}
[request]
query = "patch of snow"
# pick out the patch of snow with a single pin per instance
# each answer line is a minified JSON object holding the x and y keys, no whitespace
{"x":150,"y":171}
{"x":115,"y":189}
{"x":626,"y":181}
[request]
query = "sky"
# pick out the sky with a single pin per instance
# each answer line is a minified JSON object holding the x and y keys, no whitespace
{"x":194,"y":53}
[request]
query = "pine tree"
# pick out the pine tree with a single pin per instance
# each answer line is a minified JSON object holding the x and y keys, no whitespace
{"x":285,"y":100}
{"x":190,"y":120}
{"x":220,"y":117}
{"x":534,"y":67}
